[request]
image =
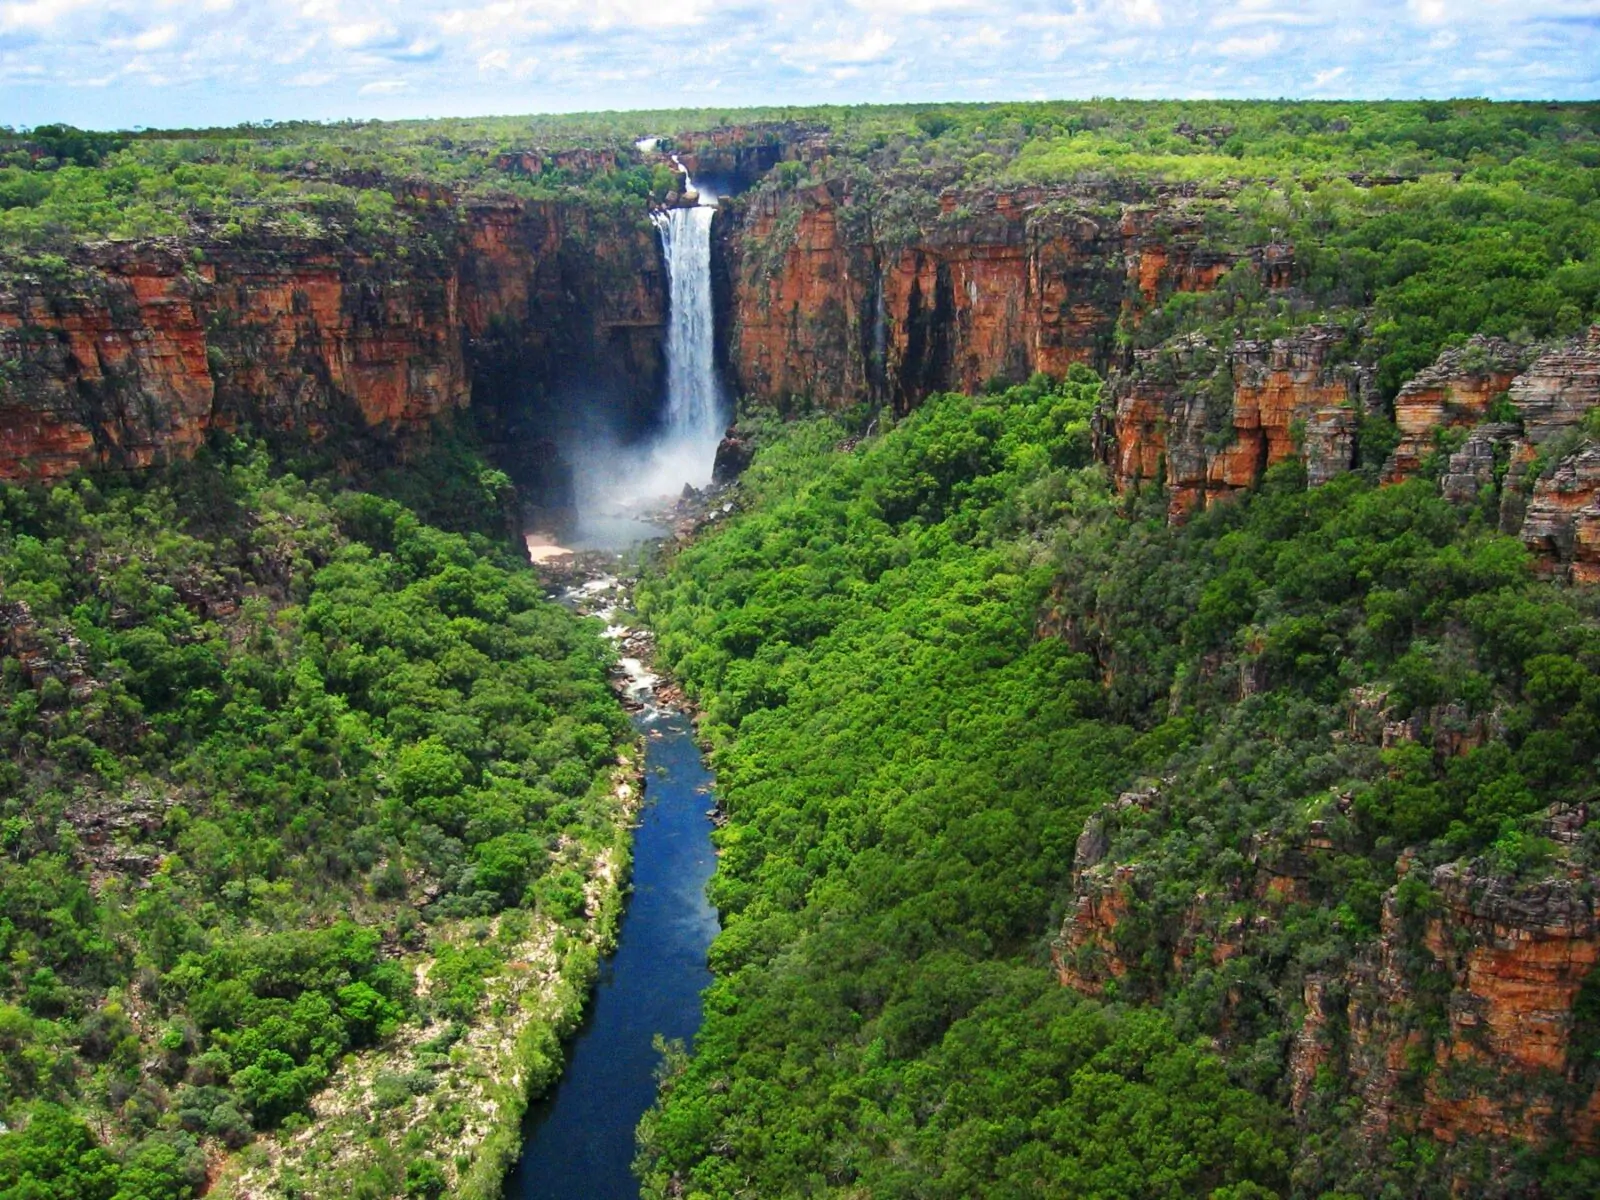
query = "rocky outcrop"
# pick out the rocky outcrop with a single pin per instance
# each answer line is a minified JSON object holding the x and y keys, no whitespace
{"x":734,"y":454}
{"x":1559,"y":389}
{"x":1562,"y":522}
{"x":1208,"y":421}
{"x":1552,"y":490}
{"x":1473,"y":468}
{"x":1455,"y":392}
{"x":139,"y":351}
{"x":307,"y":338}
{"x":1461,"y":1019}
{"x":1485,"y":1046}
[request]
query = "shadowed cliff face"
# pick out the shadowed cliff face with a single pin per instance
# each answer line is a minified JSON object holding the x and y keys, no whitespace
{"x":142,"y":350}
{"x":564,"y":321}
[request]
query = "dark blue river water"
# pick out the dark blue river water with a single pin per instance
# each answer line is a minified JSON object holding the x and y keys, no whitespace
{"x":578,"y":1140}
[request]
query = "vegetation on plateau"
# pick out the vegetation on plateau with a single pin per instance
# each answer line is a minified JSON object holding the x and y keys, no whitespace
{"x":925,"y":663}
{"x":1420,"y":223}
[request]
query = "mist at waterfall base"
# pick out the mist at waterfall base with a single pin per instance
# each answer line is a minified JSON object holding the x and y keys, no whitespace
{"x":617,"y":485}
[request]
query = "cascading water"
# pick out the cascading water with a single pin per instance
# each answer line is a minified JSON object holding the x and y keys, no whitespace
{"x":614,"y":484}
{"x":694,"y":394}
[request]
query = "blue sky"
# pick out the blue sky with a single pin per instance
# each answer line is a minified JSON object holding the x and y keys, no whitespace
{"x":121,"y":63}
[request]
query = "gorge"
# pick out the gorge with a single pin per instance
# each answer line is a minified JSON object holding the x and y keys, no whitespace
{"x":1148,"y":663}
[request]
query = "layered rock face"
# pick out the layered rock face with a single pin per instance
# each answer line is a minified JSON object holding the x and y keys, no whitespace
{"x":1542,"y":467}
{"x":1459,"y":1020}
{"x":1208,"y":421}
{"x":1456,"y":392}
{"x":1562,"y":525}
{"x":143,"y":350}
{"x":115,"y":370}
{"x":833,"y":301}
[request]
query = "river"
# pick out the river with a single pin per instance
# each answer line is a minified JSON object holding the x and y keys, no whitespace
{"x":578,"y":1140}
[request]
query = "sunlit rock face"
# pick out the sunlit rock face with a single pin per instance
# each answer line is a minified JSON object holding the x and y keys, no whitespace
{"x":109,"y":367}
{"x":136,"y":353}
{"x":1505,"y":964}
{"x":1455,"y":392}
{"x":1208,"y":420}
{"x":834,"y":301}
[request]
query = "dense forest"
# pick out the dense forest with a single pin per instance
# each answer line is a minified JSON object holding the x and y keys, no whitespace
{"x":925,"y":663}
{"x":271,"y":746}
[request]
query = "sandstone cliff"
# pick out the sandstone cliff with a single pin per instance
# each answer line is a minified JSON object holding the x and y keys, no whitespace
{"x":1461,"y":1019}
{"x":836,"y":297}
{"x":137,"y":352}
{"x":1455,"y":393}
{"x":1538,"y":461}
{"x":1208,"y":420}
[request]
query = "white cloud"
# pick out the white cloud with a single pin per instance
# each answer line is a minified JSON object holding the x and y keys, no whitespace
{"x":1262,"y":14}
{"x":381,"y":57}
{"x":361,"y":34}
{"x":1144,"y":12}
{"x":154,"y":39}
{"x":1250,"y":47}
{"x":39,"y":14}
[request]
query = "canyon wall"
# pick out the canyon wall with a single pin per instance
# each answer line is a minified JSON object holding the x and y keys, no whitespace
{"x":134,"y":353}
{"x":835,"y":299}
{"x":831,"y":296}
{"x":547,"y":317}
{"x":1463,"y":1018}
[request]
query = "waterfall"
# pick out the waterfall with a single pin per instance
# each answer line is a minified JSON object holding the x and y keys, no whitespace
{"x":616,"y":484}
{"x":695,"y":412}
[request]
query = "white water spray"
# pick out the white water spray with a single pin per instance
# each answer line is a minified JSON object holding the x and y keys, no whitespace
{"x":685,"y":449}
{"x":694,"y":397}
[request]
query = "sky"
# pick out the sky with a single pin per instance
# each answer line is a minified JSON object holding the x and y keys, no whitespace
{"x":114,"y":64}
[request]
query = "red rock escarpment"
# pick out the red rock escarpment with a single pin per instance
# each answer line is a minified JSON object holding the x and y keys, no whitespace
{"x":144,"y":349}
{"x":1557,"y":511}
{"x":1209,"y":421}
{"x":1496,"y":1058}
{"x":1562,"y":524}
{"x":836,"y":301}
{"x":116,"y":369}
{"x":1483,"y":1049}
{"x":1455,"y":392}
